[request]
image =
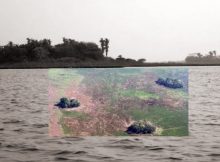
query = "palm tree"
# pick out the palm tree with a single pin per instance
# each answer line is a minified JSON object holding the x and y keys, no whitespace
{"x":199,"y":55}
{"x":10,"y":44}
{"x":106,"y":46}
{"x":102,"y":42}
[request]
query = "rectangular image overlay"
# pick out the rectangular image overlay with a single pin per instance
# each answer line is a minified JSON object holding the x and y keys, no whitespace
{"x":118,"y":102}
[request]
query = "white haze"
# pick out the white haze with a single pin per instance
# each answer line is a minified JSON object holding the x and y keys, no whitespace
{"x":158,"y":30}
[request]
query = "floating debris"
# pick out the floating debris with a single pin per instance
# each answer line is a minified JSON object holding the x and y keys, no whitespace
{"x":67,"y":103}
{"x":170,"y":83}
{"x":141,"y":127}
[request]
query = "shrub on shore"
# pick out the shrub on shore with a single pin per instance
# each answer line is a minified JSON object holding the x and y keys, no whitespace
{"x":170,"y":83}
{"x":66,"y":103}
{"x":141,"y":127}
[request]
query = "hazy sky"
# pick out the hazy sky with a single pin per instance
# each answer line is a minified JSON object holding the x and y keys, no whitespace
{"x":158,"y":30}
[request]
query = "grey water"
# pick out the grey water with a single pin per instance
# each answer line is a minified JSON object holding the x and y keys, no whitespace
{"x":24,"y":122}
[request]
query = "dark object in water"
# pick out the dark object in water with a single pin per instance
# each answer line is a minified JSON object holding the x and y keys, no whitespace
{"x":170,"y":83}
{"x":141,"y":127}
{"x":66,"y":103}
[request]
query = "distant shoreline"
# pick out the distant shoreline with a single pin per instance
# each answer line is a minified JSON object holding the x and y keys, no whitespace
{"x":39,"y":54}
{"x":45,"y":65}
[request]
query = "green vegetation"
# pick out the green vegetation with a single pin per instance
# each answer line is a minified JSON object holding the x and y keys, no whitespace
{"x":173,"y":122}
{"x":177,"y":131}
{"x":176,"y":93}
{"x":64,"y":77}
{"x":122,"y":99}
{"x":138,"y":114}
{"x":66,"y":130}
{"x":139,"y":94}
{"x":75,"y":114}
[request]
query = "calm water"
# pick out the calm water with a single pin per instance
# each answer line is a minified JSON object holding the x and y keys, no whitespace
{"x":24,"y":125}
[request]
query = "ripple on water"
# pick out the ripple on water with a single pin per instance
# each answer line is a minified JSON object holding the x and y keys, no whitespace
{"x":24,"y":125}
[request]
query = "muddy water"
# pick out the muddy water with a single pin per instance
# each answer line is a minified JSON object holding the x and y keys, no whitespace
{"x":24,"y":125}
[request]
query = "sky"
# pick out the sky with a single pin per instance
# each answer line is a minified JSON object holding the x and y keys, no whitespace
{"x":157,"y":30}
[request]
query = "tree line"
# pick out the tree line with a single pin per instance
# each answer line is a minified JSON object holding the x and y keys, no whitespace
{"x":35,"y":50}
{"x":43,"y":50}
{"x":211,"y":57}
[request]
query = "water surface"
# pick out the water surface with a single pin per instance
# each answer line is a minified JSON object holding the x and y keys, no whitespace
{"x":24,"y":125}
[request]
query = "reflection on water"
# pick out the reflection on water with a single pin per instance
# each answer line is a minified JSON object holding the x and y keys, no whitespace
{"x":24,"y":125}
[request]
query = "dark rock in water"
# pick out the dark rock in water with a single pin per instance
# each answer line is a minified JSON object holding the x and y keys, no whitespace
{"x":141,"y":127}
{"x":66,"y":103}
{"x":170,"y":83}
